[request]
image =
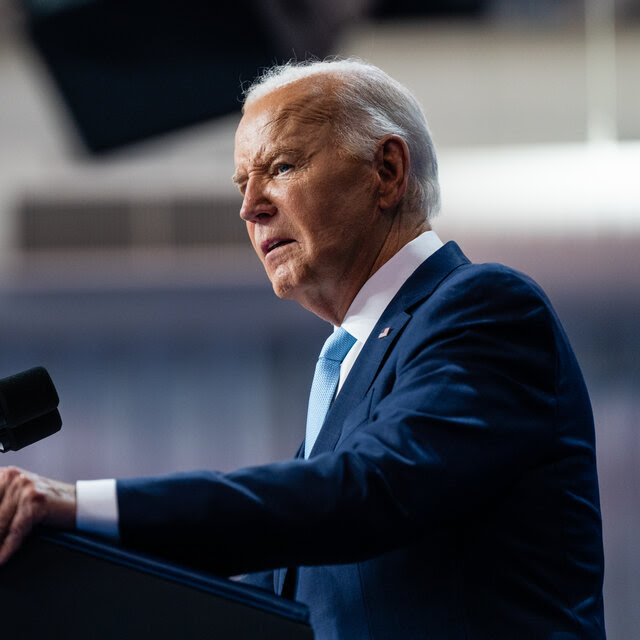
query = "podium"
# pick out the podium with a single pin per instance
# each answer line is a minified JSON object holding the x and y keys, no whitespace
{"x":68,"y":585}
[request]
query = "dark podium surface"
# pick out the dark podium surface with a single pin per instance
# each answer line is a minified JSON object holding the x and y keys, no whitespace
{"x":67,"y":585}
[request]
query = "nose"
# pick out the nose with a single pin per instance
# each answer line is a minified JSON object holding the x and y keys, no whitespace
{"x":256,"y":204}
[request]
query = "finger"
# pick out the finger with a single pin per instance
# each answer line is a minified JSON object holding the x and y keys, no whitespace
{"x":8,"y":500}
{"x":29,"y":512}
{"x":20,"y":528}
{"x":7,"y":474}
{"x":19,"y":510}
{"x":10,"y":545}
{"x":8,"y":510}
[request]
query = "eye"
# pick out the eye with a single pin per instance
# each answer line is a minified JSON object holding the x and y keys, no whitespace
{"x":283,"y":167}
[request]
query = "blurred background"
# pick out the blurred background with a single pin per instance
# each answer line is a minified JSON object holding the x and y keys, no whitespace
{"x":124,"y":267}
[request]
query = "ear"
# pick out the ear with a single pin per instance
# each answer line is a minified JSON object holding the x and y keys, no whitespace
{"x":392,"y":166}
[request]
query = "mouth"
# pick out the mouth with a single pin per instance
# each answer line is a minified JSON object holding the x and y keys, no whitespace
{"x":274,"y":243}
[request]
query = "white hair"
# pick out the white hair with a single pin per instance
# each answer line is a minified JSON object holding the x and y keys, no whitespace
{"x":371,"y":105}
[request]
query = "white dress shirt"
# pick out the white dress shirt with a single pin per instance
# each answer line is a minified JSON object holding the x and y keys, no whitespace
{"x":97,"y":501}
{"x":379,"y":290}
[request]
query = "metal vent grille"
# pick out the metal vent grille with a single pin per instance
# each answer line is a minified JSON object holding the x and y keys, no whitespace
{"x":75,"y":224}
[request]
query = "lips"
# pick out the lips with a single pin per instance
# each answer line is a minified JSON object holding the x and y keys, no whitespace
{"x":274,"y":243}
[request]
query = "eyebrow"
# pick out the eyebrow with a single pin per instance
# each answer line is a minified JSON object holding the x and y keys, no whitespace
{"x":238,"y":178}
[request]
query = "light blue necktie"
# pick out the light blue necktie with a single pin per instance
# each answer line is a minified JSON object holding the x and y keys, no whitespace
{"x":325,"y":382}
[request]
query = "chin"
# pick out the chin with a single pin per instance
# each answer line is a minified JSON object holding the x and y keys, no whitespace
{"x":284,"y":283}
{"x":282,"y":288}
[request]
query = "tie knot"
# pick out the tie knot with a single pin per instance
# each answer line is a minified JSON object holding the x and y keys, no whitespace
{"x":337,"y":345}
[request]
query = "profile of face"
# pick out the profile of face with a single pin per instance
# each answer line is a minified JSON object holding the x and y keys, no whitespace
{"x":311,"y":210}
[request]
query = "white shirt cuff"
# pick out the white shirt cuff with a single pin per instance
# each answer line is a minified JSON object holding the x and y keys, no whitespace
{"x":97,"y":507}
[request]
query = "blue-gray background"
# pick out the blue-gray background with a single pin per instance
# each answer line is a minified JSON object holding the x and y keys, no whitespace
{"x":175,"y":355}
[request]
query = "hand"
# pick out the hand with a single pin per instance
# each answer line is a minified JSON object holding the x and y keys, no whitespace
{"x":26,"y":500}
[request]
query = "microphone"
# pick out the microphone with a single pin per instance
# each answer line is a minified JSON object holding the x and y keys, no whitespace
{"x":28,"y":409}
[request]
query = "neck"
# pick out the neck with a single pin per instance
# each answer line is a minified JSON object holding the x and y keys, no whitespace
{"x":332,"y":305}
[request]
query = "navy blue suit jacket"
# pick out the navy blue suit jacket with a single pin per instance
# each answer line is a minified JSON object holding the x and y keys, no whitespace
{"x":451,"y":494}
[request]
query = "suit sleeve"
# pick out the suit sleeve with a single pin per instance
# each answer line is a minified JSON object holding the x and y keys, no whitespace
{"x":261,"y":579}
{"x":463,"y":405}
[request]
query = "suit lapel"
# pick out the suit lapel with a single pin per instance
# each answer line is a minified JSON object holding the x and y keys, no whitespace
{"x":419,"y":286}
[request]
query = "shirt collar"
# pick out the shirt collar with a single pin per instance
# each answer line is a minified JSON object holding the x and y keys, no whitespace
{"x":378,"y":291}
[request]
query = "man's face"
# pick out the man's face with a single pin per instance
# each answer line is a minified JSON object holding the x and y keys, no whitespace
{"x":311,"y":210}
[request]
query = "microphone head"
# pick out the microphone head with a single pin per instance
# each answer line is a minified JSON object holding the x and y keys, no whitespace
{"x":14,"y":438}
{"x":26,"y":396}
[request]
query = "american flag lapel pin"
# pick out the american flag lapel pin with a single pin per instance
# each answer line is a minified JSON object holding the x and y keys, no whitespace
{"x":384,"y":333}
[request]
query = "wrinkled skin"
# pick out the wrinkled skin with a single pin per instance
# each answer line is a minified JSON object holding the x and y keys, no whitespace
{"x":321,"y":220}
{"x":26,"y":500}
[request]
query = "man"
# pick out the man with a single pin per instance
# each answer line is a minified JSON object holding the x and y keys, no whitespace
{"x":451,"y":491}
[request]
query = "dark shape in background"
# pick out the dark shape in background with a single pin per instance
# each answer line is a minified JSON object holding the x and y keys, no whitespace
{"x":132,"y":69}
{"x":432,"y":8}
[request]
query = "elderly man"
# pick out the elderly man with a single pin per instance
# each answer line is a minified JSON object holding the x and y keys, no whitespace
{"x":447,"y":484}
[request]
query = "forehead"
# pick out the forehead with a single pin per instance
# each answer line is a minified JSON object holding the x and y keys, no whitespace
{"x":293,"y":114}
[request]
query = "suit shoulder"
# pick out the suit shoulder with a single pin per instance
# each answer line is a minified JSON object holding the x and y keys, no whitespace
{"x":489,"y":273}
{"x":493,"y":282}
